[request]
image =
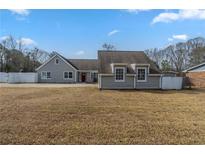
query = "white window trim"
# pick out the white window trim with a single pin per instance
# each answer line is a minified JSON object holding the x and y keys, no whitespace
{"x":68,"y":75}
{"x":145,"y":68}
{"x":46,"y":75}
{"x":123,"y":74}
{"x":55,"y":61}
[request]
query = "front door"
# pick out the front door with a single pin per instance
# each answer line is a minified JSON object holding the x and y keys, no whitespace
{"x":83,"y":77}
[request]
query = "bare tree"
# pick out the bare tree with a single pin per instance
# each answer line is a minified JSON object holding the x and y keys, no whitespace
{"x":21,"y":46}
{"x":197,"y":56}
{"x":180,"y":55}
{"x":176,"y":55}
{"x":2,"y":55}
{"x":156,"y":55}
{"x":38,"y":56}
{"x":15,"y":56}
{"x":52,"y":53}
{"x":108,"y":47}
{"x":10,"y":42}
{"x":197,"y":42}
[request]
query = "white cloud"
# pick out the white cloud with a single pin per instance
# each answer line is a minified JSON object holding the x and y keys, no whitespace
{"x":81,"y":52}
{"x":23,"y":40}
{"x":167,"y":17}
{"x":180,"y":37}
{"x":4,"y":38}
{"x":136,"y":11}
{"x":21,"y":12}
{"x":26,"y":41}
{"x":170,"y":39}
{"x":113,"y":32}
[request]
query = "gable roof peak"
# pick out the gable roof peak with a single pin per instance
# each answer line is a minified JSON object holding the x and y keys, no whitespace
{"x":60,"y":56}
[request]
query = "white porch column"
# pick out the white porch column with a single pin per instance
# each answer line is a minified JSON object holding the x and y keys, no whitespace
{"x":76,"y":76}
{"x":79,"y":76}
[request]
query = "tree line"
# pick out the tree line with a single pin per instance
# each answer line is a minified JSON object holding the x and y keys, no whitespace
{"x":15,"y":56}
{"x":180,"y":56}
{"x":175,"y":57}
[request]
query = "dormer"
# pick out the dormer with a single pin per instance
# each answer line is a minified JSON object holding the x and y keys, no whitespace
{"x":142,"y":71}
{"x":123,"y":65}
{"x":135,"y":66}
{"x":119,"y":70}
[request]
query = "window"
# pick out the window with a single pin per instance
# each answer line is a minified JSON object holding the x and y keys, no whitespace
{"x":119,"y":73}
{"x":141,"y":74}
{"x":65,"y":75}
{"x":45,"y":75}
{"x":68,"y":75}
{"x":94,"y":76}
{"x":48,"y":75}
{"x":56,"y":61}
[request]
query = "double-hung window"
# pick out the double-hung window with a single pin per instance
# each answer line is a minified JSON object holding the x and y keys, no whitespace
{"x":119,"y":74}
{"x":65,"y":75}
{"x":141,"y":74}
{"x":94,"y":76}
{"x":68,"y":75}
{"x":45,"y":75}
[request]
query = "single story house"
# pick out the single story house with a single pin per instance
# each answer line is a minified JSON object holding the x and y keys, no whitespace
{"x":196,"y":75}
{"x":58,"y":69}
{"x":127,"y":70}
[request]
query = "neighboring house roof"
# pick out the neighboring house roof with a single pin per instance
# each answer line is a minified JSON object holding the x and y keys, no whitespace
{"x":197,"y":67}
{"x":85,"y":64}
{"x":106,"y":58}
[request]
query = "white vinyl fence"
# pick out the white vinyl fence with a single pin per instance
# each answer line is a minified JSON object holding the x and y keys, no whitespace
{"x":19,"y":77}
{"x":3,"y":77}
{"x":172,"y":82}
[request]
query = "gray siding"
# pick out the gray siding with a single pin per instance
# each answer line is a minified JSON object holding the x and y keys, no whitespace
{"x":108,"y":82}
{"x":56,"y":72}
{"x":153,"y":82}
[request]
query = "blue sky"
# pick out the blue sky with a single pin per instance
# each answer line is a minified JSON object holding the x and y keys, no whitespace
{"x":80,"y":33}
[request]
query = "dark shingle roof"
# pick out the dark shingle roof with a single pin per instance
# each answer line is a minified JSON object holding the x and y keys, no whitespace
{"x":84,"y":64}
{"x":105,"y":58}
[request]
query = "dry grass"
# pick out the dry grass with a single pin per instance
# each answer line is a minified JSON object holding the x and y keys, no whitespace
{"x":89,"y":116}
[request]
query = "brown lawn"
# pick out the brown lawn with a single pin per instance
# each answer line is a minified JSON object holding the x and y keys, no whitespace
{"x":88,"y":116}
